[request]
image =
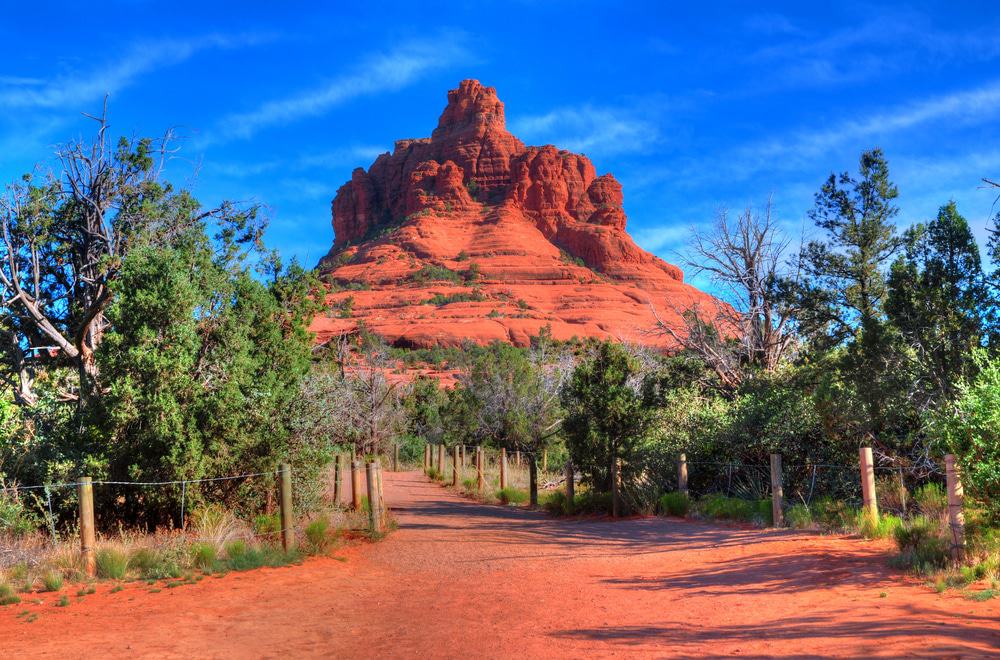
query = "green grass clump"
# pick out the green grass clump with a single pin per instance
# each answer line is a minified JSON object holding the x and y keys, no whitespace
{"x":674,"y":504}
{"x":470,"y":484}
{"x":878,"y":527}
{"x":511,"y":495}
{"x":236,"y":549}
{"x":267,"y":523}
{"x":7,"y":595}
{"x":799,"y":516}
{"x":554,"y":502}
{"x":251,"y":558}
{"x":153,"y":564}
{"x":834,"y":515}
{"x":203,"y":556}
{"x":921,"y":545}
{"x":63,"y":601}
{"x":719,"y":506}
{"x":317,"y":535}
{"x":985,"y":594}
{"x":931,"y":500}
{"x":52,"y":581}
{"x":112,"y":563}
{"x":432,"y":473}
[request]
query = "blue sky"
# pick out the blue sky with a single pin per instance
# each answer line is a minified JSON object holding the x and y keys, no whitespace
{"x":692,"y":107}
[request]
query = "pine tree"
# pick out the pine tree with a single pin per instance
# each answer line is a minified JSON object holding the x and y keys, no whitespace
{"x":938,"y":300}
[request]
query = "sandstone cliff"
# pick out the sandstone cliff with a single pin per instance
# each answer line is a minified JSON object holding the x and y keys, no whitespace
{"x":471,"y":235}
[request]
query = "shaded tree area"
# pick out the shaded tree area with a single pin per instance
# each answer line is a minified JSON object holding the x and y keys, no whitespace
{"x":145,"y":337}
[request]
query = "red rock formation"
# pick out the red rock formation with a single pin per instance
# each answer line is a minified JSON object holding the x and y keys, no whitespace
{"x":532,"y":237}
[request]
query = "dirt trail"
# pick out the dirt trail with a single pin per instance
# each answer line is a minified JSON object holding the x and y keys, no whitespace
{"x":462,"y":579}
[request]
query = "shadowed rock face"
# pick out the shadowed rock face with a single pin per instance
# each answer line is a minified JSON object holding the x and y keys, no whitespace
{"x":533,"y":236}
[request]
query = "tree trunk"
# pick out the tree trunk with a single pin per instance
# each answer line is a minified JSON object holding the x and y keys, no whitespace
{"x":615,"y":495}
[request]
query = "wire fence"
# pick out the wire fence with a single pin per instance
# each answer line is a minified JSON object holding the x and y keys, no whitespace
{"x":804,"y":482}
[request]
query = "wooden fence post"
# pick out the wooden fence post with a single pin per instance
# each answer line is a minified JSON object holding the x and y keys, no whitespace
{"x":777,"y":512}
{"x":287,"y":519}
{"x":395,"y":458}
{"x":503,"y":468}
{"x":441,"y":461}
{"x":356,"y":485}
{"x":545,"y":460}
{"x":338,"y":489}
{"x":371,"y":471}
{"x":616,"y":497}
{"x":480,"y":470}
{"x":532,"y":480}
{"x":956,"y":516}
{"x":868,"y":497}
{"x":383,"y":523}
{"x":456,"y":466}
{"x":427,"y":458}
{"x":682,"y":474}
{"x":517,"y":457}
{"x":570,"y":486}
{"x":464,"y":459}
{"x":88,"y":538}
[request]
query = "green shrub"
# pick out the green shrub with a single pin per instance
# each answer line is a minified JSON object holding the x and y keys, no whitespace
{"x":203,"y":555}
{"x":63,"y":601}
{"x":236,"y":549}
{"x":250,"y":558}
{"x":432,"y":473}
{"x":799,"y":516}
{"x":878,"y":527}
{"x":592,"y":501}
{"x":764,"y":511}
{"x":7,"y":595}
{"x":154,"y":564}
{"x":921,"y":545}
{"x":510,"y":495}
{"x":267,"y":524}
{"x":971,"y":430}
{"x":316,"y":535}
{"x":554,"y":502}
{"x":716,"y":505}
{"x":470,"y":484}
{"x":435,"y":273}
{"x":15,"y":518}
{"x":674,"y":504}
{"x":52,"y":581}
{"x":834,"y":515}
{"x":931,"y":500}
{"x":112,"y":563}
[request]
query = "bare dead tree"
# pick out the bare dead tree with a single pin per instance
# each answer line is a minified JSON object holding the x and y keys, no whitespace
{"x":753,"y":327}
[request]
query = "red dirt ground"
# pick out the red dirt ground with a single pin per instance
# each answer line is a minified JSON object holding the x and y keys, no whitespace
{"x":464,"y":579}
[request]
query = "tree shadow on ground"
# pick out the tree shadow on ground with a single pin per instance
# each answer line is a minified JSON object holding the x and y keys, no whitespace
{"x":837,"y":632}
{"x":516,"y":526}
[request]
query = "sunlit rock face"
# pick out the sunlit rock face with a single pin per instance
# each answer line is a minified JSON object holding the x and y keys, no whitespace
{"x":470,"y":235}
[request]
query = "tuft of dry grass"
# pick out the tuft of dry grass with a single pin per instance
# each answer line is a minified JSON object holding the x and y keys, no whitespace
{"x":218,"y":526}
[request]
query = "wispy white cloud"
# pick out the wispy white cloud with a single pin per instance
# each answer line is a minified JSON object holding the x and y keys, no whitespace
{"x":589,"y":130}
{"x":20,"y":81}
{"x":660,"y":237}
{"x":384,"y":72}
{"x":882,"y":45}
{"x":790,"y":151}
{"x":771,"y":24}
{"x":143,"y":57}
{"x":360,"y":155}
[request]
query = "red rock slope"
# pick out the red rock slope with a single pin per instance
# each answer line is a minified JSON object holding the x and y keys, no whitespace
{"x":471,"y":235}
